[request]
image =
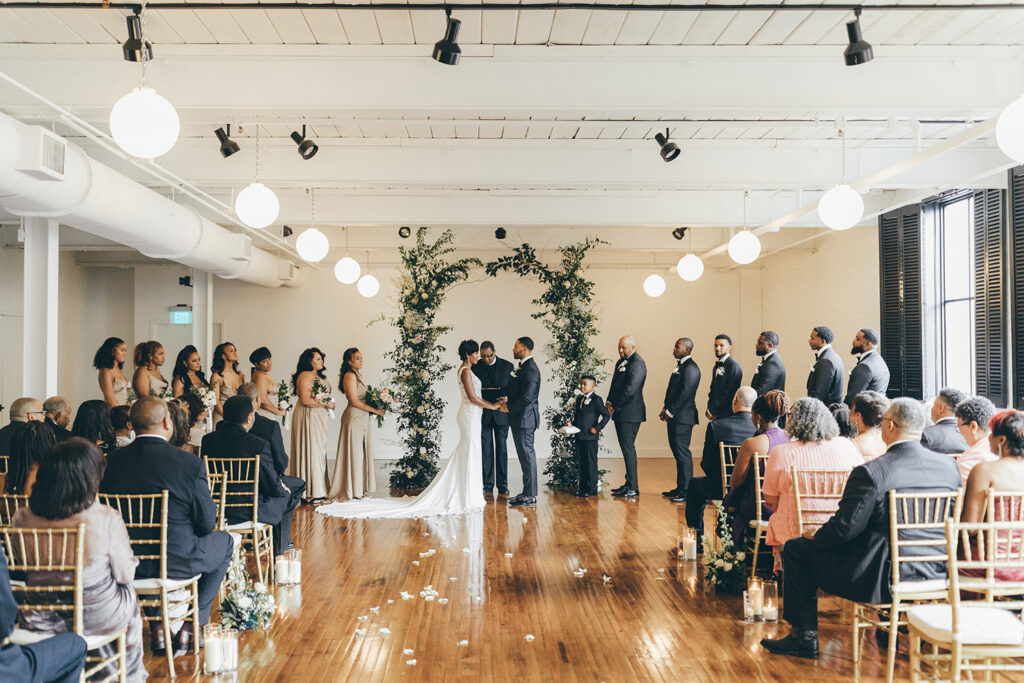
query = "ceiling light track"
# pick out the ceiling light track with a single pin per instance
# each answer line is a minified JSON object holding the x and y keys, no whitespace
{"x":505,"y":6}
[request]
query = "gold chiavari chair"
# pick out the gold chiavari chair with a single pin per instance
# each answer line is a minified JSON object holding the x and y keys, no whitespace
{"x":728,"y":453}
{"x":218,"y":490}
{"x":759,"y":524}
{"x":9,"y":504}
{"x":243,"y":488}
{"x":818,"y":493}
{"x":53,"y":561}
{"x":3,"y":471}
{"x":145,"y":516}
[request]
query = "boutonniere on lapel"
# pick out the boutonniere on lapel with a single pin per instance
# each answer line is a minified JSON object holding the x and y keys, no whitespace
{"x":719,"y":371}
{"x":514,"y":373}
{"x":813,"y":364}
{"x":622,"y":368}
{"x":675,"y":371}
{"x":586,"y":401}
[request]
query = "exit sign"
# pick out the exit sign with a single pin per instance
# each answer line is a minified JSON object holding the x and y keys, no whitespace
{"x":181,"y":317}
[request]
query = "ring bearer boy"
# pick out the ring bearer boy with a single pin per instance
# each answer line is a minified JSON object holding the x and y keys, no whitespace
{"x":589,"y":416}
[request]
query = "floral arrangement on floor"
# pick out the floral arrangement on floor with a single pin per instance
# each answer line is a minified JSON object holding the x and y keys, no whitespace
{"x":723,"y":564}
{"x":248,"y":605}
{"x":567,"y":313}
{"x":381,"y":399}
{"x":286,"y":400}
{"x":322,"y":394}
{"x":426,"y":276}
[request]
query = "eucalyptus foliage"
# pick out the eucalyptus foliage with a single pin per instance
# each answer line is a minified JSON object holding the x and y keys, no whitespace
{"x":567,"y":313}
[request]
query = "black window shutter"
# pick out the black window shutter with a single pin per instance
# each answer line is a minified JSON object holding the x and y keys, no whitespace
{"x":989,"y":296}
{"x":899,"y":249}
{"x":1016,"y":185}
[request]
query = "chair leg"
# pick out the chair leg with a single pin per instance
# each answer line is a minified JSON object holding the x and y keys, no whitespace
{"x":894,"y":630}
{"x":856,"y":633}
{"x":270,"y":558}
{"x":122,"y":657}
{"x":954,"y":664}
{"x":168,"y":635}
{"x":196,"y":629}
{"x":258,"y":551}
{"x":757,"y":545}
{"x":915,"y":656}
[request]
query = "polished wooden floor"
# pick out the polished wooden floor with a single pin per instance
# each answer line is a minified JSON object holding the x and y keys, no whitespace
{"x":508,"y":573}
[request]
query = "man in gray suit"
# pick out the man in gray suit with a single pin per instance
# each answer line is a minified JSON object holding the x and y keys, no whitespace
{"x":825,"y":382}
{"x":849,"y":556}
{"x":524,"y":417}
{"x":944,"y":436}
{"x":870,"y":373}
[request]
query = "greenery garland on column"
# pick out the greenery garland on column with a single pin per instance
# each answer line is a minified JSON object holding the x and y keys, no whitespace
{"x":566,"y":311}
{"x":426,"y":277}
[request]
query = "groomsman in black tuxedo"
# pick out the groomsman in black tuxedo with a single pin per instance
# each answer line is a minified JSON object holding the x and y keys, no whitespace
{"x":524,"y":417}
{"x":589,"y":415}
{"x":494,"y":374}
{"x":726,"y":378}
{"x":771,"y":372}
{"x":825,"y":382}
{"x":680,"y":412}
{"x":626,"y":405}
{"x":870,"y":373}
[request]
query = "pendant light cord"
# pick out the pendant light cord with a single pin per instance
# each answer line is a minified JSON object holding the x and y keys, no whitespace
{"x":259,"y":158}
{"x":143,"y":33}
{"x":312,"y":207}
{"x":842,"y":140}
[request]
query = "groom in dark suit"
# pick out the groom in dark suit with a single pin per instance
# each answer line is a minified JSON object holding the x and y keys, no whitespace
{"x":494,"y":374}
{"x":626,"y":405}
{"x":589,"y":416}
{"x":524,"y":417}
{"x":680,"y":412}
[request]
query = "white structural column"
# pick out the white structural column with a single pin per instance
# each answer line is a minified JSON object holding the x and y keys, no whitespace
{"x":39,"y":378}
{"x":202,"y":314}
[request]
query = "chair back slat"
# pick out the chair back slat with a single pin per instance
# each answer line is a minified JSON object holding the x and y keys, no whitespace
{"x":145,"y":517}
{"x":917,"y":530}
{"x":817,"y":493}
{"x":728,"y":454}
{"x":51,"y":561}
{"x":218,"y":490}
{"x":242,"y":477}
{"x":9,"y":504}
{"x":760,"y":462}
{"x":986,"y":560}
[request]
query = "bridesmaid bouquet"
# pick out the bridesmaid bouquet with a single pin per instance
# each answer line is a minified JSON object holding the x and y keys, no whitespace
{"x":322,"y":394}
{"x":209,"y":400}
{"x":381,"y":399}
{"x":286,"y":400}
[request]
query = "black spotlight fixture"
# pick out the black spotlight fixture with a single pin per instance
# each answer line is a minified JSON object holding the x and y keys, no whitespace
{"x":404,"y":232}
{"x":286,"y":232}
{"x":679,"y":233}
{"x":134,"y":49}
{"x":227,"y":145}
{"x":500,"y":233}
{"x":669,"y":150}
{"x":447,"y":49}
{"x":307,"y":148}
{"x":859,"y":50}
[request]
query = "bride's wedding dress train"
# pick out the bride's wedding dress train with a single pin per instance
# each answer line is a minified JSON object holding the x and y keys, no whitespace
{"x":457,"y":489}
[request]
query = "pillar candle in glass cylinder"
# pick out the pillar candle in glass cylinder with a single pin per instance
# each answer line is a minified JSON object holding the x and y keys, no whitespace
{"x":213,"y":660}
{"x":689,"y":544}
{"x":282,"y":570}
{"x":756,"y":590}
{"x":295,"y":565}
{"x":229,"y":645}
{"x":771,"y":601}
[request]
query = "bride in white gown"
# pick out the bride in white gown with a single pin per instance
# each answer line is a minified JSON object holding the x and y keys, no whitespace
{"x":458,"y":488}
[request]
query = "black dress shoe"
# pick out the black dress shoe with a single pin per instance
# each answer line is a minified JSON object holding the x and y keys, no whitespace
{"x":156,"y":638}
{"x":797,"y":644}
{"x":502,"y":492}
{"x":618,"y":489}
{"x":671,"y":494}
{"x":627,"y":493}
{"x":523,"y":501}
{"x":681,"y":498}
{"x":183,"y":639}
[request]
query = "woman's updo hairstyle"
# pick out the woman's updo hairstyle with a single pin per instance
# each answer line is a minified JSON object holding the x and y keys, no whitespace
{"x":468,"y":348}
{"x":871,"y":406}
{"x":771,"y":406}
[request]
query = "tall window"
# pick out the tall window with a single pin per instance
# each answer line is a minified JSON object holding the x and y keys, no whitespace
{"x":956,"y":295}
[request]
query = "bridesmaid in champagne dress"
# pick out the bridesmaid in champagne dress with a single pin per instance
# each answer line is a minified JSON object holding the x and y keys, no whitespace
{"x":309,"y":426}
{"x":148,"y":381}
{"x":224,"y":377}
{"x":109,"y":360}
{"x":262,"y":363}
{"x":188,"y":372}
{"x":353,"y":470}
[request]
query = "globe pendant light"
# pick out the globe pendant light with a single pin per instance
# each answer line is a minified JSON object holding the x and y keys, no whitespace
{"x":690,"y":267}
{"x":312,"y":244}
{"x":654,"y":285}
{"x":841,"y":208}
{"x":744,"y":247}
{"x":368,"y":286}
{"x":257,"y":206}
{"x":346,"y":270}
{"x":143,"y":123}
{"x":1010,"y":130}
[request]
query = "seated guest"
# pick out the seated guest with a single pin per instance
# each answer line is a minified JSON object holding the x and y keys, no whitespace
{"x":849,"y":556}
{"x":730,"y":429}
{"x":269,"y":430}
{"x":57,"y":659}
{"x":972,"y":419}
{"x":815,"y":445}
{"x":943,"y":436}
{"x":232,"y":439}
{"x":28,"y":448}
{"x":58,"y":415}
{"x":866,"y":415}
{"x":841,"y":414}
{"x":22,"y":410}
{"x":197,"y":414}
{"x":150,"y":465}
{"x":93,"y":424}
{"x":121,"y":421}
{"x":765,"y":415}
{"x":65,"y":496}
{"x":179,"y":418}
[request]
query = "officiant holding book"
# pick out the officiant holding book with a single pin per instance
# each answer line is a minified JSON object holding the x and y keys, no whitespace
{"x":494,"y":374}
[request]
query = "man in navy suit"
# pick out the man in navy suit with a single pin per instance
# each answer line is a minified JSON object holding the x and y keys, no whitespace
{"x":726,"y":378}
{"x":626,"y":405}
{"x":680,"y":413}
{"x":494,"y":374}
{"x":870,"y":373}
{"x":524,"y":417}
{"x":589,"y":416}
{"x":825,"y":382}
{"x":771,"y":372}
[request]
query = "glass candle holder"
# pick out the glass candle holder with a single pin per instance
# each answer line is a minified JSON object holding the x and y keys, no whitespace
{"x":771,"y":601}
{"x":688,"y":544}
{"x":282,"y":570}
{"x":229,"y":649}
{"x":756,"y":590}
{"x":213,"y":659}
{"x":295,"y":565}
{"x":748,"y":608}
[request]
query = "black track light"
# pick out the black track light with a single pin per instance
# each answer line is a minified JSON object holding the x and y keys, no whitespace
{"x":134,"y":49}
{"x":404,"y":232}
{"x":669,"y":150}
{"x":307,"y":148}
{"x":447,"y":49}
{"x":859,"y":50}
{"x":227,"y":145}
{"x":679,"y":233}
{"x":500,"y":233}
{"x":286,"y":232}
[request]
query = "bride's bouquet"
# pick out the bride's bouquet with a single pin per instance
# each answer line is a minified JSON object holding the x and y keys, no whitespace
{"x":286,"y":400}
{"x":322,"y":394}
{"x":209,"y":400}
{"x":381,"y":399}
